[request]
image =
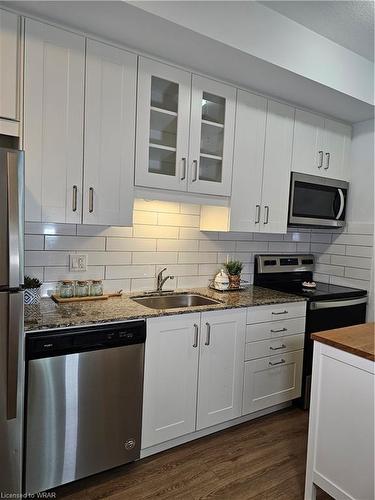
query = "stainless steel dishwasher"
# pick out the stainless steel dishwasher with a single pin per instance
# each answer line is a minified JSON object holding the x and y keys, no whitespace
{"x":84,"y":402}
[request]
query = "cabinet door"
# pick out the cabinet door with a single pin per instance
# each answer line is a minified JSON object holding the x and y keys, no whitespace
{"x":337,"y":149}
{"x":9,"y":64}
{"x":272,"y":380}
{"x":162,"y":126}
{"x":276,"y":171}
{"x":308,"y":143}
{"x":211,"y":137}
{"x":221,"y":366}
{"x":170,"y":378}
{"x":54,"y":98}
{"x":109,"y":135}
{"x":248,"y":162}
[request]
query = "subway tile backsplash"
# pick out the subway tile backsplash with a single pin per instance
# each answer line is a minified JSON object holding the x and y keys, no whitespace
{"x":167,"y":234}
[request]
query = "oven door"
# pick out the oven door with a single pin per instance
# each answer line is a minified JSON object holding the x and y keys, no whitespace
{"x":317,"y":201}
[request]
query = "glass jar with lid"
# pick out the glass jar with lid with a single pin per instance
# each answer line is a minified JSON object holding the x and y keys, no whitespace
{"x":66,"y":289}
{"x":82,"y":289}
{"x":96,"y":288}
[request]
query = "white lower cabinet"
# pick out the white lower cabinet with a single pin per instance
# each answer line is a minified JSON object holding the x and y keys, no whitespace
{"x":205,"y":369}
{"x":272,"y":380}
{"x":220,"y":366}
{"x":171,"y":386}
{"x":170,"y":378}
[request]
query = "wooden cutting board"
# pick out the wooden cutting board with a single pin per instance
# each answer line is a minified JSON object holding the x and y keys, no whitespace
{"x":105,"y":296}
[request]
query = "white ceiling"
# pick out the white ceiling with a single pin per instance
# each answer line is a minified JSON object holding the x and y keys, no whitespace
{"x":348,"y":23}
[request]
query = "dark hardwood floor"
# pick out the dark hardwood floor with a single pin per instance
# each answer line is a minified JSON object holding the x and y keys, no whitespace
{"x":263,"y":459}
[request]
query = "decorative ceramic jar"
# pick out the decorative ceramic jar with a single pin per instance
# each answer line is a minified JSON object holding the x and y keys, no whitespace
{"x":32,"y":296}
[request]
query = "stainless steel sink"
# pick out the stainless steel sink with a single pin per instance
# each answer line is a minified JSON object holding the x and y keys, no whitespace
{"x":175,"y":300}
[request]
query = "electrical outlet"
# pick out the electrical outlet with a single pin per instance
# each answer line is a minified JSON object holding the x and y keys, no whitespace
{"x":77,"y":262}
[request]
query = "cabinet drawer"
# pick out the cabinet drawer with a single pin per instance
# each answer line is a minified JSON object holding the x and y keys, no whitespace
{"x":272,"y":380}
{"x":274,"y":312}
{"x":274,"y":329}
{"x":264,"y":348}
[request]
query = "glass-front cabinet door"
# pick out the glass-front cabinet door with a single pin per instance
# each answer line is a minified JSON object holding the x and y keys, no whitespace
{"x":162,"y":126}
{"x":211,"y":137}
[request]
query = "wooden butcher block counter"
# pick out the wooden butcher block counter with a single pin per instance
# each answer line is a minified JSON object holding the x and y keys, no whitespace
{"x":358,"y":339}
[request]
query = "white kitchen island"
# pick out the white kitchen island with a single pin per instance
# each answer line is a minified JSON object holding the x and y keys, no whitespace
{"x":340,"y":458}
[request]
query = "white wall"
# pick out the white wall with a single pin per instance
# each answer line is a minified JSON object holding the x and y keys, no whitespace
{"x":361,"y":200}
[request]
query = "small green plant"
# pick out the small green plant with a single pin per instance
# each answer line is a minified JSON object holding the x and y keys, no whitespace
{"x":233,"y":267}
{"x":32,"y":282}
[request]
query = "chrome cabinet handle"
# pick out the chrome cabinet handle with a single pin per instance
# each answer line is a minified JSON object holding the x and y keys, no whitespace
{"x":281,"y":329}
{"x":282,"y":312}
{"x":196,"y":331}
{"x":320,"y":164}
{"x":208,"y":335}
{"x":328,"y":157}
{"x":74,"y":201}
{"x":283,"y":346}
{"x":278,"y":363}
{"x":91,"y":200}
{"x":266,"y":214}
{"x":195,"y":167}
{"x":183,"y":174}
{"x":257,"y":214}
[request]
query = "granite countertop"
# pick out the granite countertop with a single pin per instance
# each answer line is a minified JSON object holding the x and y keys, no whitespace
{"x":49,"y":315}
{"x":358,"y":339}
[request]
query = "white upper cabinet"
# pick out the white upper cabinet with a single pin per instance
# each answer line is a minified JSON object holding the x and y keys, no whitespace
{"x":111,"y":76}
{"x":165,"y":158}
{"x":308,"y":146}
{"x":170,"y":378}
{"x":9,"y":65}
{"x":337,"y":140}
{"x":261,"y":169}
{"x":163,"y":115}
{"x":53,"y":140}
{"x":221,"y":366}
{"x":248,"y":162}
{"x":277,"y":160}
{"x":321,"y":146}
{"x":211,"y":137}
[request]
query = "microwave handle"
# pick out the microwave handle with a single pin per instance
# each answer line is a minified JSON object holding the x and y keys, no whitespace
{"x":342,"y":204}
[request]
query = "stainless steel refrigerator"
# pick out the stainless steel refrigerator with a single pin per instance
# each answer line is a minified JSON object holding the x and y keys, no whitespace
{"x":11,"y":319}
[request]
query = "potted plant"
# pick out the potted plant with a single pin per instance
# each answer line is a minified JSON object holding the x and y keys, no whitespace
{"x":32,"y":290}
{"x":234,"y":269}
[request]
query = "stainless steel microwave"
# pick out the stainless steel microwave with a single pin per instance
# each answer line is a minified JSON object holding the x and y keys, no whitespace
{"x":317,"y":201}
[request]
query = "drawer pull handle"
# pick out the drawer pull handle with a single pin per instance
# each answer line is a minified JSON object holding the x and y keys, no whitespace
{"x":278,"y":363}
{"x":282,"y":312}
{"x":278,"y":331}
{"x":283,"y":346}
{"x":196,"y":330}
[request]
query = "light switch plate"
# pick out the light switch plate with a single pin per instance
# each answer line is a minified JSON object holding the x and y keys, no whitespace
{"x":77,"y":262}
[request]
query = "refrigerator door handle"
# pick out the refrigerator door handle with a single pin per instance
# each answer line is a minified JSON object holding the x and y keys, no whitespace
{"x":15,"y":217}
{"x":15,"y":319}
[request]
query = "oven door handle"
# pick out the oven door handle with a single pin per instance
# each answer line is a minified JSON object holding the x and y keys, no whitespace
{"x":342,"y":204}
{"x":329,"y":304}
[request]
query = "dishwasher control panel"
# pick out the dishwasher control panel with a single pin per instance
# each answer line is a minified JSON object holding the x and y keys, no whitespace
{"x":64,"y":341}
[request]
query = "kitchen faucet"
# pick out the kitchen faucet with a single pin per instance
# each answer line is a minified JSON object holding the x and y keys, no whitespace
{"x":160,"y":280}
